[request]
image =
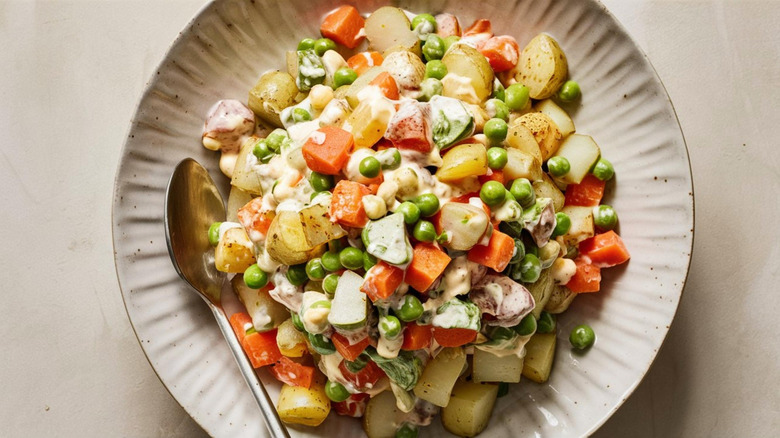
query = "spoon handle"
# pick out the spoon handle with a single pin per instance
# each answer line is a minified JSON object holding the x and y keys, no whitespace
{"x":272,"y":420}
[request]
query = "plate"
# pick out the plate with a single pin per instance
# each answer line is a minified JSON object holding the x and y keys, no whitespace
{"x":223,"y":51}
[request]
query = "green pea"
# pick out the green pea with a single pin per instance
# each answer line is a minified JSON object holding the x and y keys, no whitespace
{"x":546,"y":323}
{"x":389,"y":158}
{"x":424,"y":231}
{"x":369,"y":167}
{"x":433,"y":47}
{"x":435,"y":69}
{"x":421,"y":18}
{"x":331,"y":261}
{"x":214,"y":233}
{"x":344,"y":76}
{"x":261,"y":150}
{"x":605,"y":217}
{"x":498,"y":109}
{"x":517,"y":96}
{"x":603,"y":170}
{"x":411,"y":309}
{"x":296,"y":274}
{"x":495,"y":130}
{"x":530,"y":268}
{"x":369,"y":261}
{"x":356,"y":365}
{"x":389,"y":327}
{"x":322,"y":45}
{"x":320,"y":182}
{"x":410,"y":210}
{"x":428,"y":88}
{"x":406,"y":431}
{"x":527,"y":326}
{"x":562,"y":224}
{"x":427,"y":203}
{"x":336,"y":391}
{"x":329,"y":284}
{"x":314,"y":269}
{"x":321,"y":344}
{"x":254,"y":277}
{"x":297,"y":323}
{"x":582,"y":337}
{"x":300,"y":115}
{"x":449,"y":41}
{"x":306,"y":44}
{"x":558,"y":166}
{"x":351,"y":258}
{"x":497,"y":157}
{"x":499,"y":92}
{"x":519,"y":252}
{"x":523,"y":192}
{"x":570,"y":91}
{"x":276,"y":139}
{"x":503,"y":389}
{"x":492,"y":193}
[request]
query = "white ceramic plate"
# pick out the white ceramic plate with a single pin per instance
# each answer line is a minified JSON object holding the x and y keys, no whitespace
{"x":624,"y":107}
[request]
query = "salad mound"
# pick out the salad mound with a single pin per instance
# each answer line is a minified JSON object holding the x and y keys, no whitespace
{"x":410,"y":207}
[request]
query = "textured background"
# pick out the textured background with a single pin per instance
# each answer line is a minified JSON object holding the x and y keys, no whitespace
{"x":71,"y":73}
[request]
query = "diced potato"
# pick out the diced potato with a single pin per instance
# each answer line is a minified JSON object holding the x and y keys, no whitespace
{"x":470,"y":408}
{"x":415,"y":49}
{"x":463,"y":61}
{"x":280,"y":246}
{"x":235,"y":252}
{"x":558,"y":115}
{"x":317,"y":227}
{"x":540,"y":352}
{"x":244,"y":177}
{"x":306,"y":406}
{"x":546,"y":188}
{"x":582,"y":152}
{"x":520,"y":137}
{"x":542,"y":66}
{"x":541,"y":290}
{"x":290,"y":341}
{"x":544,"y":130}
{"x":560,"y":299}
{"x":236,"y":199}
{"x":522,"y":165}
{"x":462,"y":161}
{"x":465,"y":223}
{"x":266,"y":312}
{"x":360,"y":83}
{"x":407,"y":69}
{"x":274,"y":91}
{"x":380,"y":419}
{"x":491,"y":368}
{"x":389,"y":27}
{"x":369,"y":121}
{"x":581,"y":224}
{"x":439,"y":376}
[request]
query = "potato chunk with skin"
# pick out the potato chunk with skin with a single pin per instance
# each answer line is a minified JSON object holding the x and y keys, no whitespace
{"x":235,"y":252}
{"x":543,"y":67}
{"x":408,"y":71}
{"x":300,"y":405}
{"x":462,"y":161}
{"x":274,"y":91}
{"x":389,"y":27}
{"x":469,"y":76}
{"x":544,"y":130}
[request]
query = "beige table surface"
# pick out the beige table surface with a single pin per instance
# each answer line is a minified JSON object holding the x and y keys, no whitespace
{"x":71,"y":73}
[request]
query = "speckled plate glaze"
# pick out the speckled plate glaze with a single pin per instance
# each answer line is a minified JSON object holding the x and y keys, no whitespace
{"x":223,"y":51}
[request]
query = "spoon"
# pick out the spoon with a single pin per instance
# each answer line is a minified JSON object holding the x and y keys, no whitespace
{"x":192,"y":204}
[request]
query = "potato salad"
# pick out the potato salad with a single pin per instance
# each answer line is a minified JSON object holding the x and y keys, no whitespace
{"x":410,"y":209}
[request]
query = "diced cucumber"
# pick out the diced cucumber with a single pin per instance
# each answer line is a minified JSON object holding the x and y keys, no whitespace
{"x":582,"y":152}
{"x":349,"y":310}
{"x":452,"y":122}
{"x":386,"y":239}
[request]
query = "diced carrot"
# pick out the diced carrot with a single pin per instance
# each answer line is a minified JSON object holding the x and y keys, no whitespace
{"x":427,"y":264}
{"x":417,"y":337}
{"x":409,"y":128}
{"x":587,"y":278}
{"x":254,"y":219}
{"x":354,"y":406}
{"x":241,"y":322}
{"x":605,"y":250}
{"x":292,"y":373}
{"x":381,"y":281}
{"x":587,"y":193}
{"x":346,"y":204}
{"x":261,"y":348}
{"x":481,"y":26}
{"x":447,"y":25}
{"x":349,"y":352}
{"x":343,"y":26}
{"x":502,"y":52}
{"x":497,"y":254}
{"x":383,"y":144}
{"x":374,"y":188}
{"x":494,"y":175}
{"x":379,"y":179}
{"x":453,"y":337}
{"x":327,"y":150}
{"x":387,"y":84}
{"x":364,"y":379}
{"x":364,"y":60}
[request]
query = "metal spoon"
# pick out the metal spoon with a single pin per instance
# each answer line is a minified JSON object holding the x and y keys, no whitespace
{"x":192,"y":204}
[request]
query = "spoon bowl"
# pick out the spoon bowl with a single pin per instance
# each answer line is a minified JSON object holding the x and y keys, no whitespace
{"x":192,"y":204}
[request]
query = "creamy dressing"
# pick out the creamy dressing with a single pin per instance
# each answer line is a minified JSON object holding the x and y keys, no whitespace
{"x":514,"y":346}
{"x":224,"y":226}
{"x":284,"y":292}
{"x":389,"y":348}
{"x":329,"y":365}
{"x":228,"y":124}
{"x":460,"y":87}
